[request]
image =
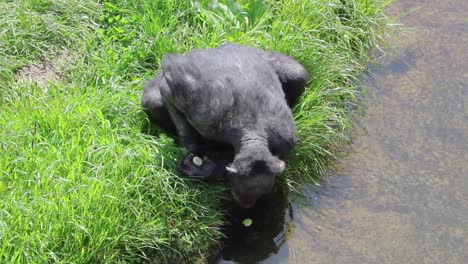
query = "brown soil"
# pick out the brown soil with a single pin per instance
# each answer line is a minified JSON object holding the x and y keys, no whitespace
{"x":46,"y":72}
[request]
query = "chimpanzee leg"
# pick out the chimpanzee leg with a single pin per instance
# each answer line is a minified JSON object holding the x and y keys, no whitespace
{"x":154,"y":107}
{"x":170,"y":119}
{"x":292,"y":75}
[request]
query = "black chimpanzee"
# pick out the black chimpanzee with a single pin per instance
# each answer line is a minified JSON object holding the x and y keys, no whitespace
{"x":232,"y":100}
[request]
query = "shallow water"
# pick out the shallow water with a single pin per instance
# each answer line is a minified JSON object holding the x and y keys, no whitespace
{"x":400,"y":191}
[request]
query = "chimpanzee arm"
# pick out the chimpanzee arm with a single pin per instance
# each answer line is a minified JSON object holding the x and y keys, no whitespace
{"x":188,"y":136}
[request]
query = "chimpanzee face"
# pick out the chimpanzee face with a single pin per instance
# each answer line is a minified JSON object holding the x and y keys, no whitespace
{"x":250,"y":183}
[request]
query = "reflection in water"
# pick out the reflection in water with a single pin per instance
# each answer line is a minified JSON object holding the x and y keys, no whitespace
{"x":271,"y":216}
{"x":400,"y":192}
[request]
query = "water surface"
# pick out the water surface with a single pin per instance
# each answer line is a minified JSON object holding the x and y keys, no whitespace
{"x":399,"y":193}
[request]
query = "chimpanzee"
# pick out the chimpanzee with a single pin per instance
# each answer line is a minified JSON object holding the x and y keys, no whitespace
{"x":233,"y":99}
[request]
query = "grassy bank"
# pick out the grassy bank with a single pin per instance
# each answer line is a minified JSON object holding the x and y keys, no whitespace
{"x":79,"y":181}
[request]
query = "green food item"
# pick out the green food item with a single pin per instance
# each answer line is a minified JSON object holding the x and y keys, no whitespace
{"x":247,"y":222}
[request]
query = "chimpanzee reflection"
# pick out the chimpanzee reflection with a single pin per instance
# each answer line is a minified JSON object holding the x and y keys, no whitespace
{"x":248,"y":244}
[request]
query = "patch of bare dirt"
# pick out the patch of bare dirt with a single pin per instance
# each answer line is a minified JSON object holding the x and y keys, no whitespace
{"x":46,"y":72}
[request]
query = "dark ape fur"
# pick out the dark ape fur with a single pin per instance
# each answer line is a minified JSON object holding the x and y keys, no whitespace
{"x":233,"y":95}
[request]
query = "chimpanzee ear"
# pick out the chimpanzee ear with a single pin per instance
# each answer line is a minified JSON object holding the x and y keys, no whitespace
{"x":176,"y":71}
{"x":279,"y":166}
{"x":231,"y":169}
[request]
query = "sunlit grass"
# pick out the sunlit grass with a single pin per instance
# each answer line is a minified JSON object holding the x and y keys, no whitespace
{"x":81,"y":183}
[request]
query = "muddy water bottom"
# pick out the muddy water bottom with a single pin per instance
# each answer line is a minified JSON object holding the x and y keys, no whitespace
{"x":399,"y":193}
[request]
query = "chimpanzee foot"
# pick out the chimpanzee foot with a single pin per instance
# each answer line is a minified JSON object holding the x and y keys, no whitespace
{"x":201,"y":168}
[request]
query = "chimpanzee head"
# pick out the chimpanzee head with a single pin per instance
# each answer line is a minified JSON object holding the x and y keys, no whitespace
{"x":251,"y":176}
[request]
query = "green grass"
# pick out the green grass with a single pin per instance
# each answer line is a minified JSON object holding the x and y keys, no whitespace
{"x":81,"y":183}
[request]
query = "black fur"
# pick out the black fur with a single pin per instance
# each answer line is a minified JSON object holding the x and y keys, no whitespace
{"x":234,"y":95}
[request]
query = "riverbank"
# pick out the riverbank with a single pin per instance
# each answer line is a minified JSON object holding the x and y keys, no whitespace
{"x":82,"y":181}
